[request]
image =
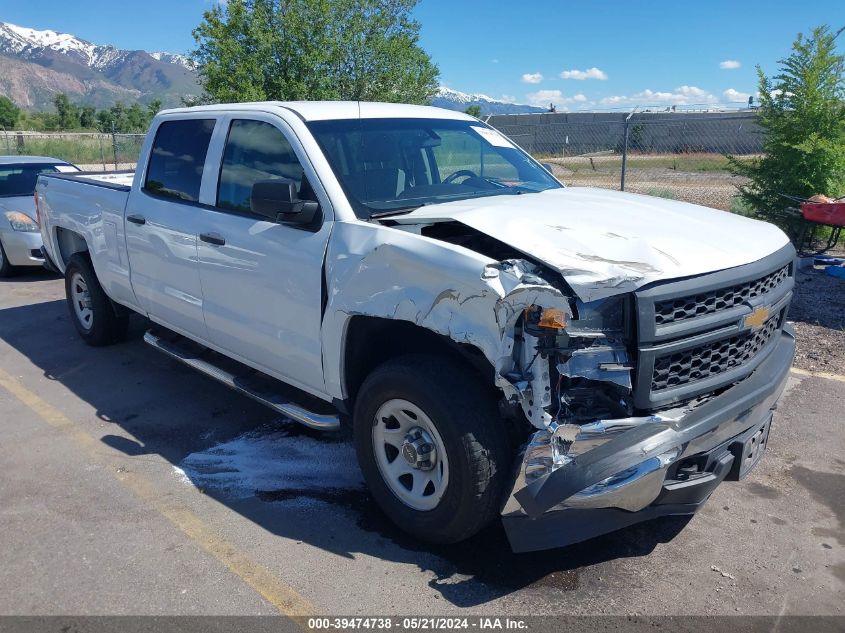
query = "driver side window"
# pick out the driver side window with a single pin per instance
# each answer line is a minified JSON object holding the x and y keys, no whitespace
{"x":255,"y":151}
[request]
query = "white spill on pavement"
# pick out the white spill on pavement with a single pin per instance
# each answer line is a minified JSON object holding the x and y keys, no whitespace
{"x":271,"y":459}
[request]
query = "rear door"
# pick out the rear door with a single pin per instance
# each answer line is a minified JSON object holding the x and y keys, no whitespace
{"x":161,"y":226}
{"x":262,"y":280}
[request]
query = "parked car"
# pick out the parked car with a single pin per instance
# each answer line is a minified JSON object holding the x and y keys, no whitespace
{"x":20,"y":236}
{"x":572,"y":359}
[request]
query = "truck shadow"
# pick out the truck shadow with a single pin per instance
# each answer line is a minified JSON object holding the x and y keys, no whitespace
{"x":159,"y":407}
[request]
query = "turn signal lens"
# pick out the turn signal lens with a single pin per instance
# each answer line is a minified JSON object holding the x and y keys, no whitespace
{"x":553,"y":318}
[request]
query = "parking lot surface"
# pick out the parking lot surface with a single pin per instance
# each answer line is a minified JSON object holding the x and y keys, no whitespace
{"x":131,"y":485}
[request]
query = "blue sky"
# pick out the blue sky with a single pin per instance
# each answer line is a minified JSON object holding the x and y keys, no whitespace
{"x":613,"y":54}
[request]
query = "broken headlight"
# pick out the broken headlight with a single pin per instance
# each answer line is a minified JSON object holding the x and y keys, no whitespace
{"x":594,"y":368}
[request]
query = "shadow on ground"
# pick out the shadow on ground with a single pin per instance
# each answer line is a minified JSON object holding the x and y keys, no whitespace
{"x":174,"y":412}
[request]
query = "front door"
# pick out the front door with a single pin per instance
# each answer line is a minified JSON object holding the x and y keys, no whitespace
{"x":262,"y":280}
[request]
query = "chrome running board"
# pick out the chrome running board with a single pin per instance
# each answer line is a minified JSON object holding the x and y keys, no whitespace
{"x":249,"y":382}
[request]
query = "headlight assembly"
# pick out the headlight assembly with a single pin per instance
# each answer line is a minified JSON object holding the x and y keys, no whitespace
{"x":22,"y":222}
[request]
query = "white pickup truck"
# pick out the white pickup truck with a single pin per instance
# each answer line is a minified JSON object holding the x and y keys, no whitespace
{"x":574,"y":360}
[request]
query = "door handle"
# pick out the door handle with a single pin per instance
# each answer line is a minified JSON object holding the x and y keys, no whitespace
{"x":213,"y":238}
{"x":136,"y":219}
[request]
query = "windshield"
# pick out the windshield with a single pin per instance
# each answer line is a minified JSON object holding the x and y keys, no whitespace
{"x":388,"y":166}
{"x":19,"y":180}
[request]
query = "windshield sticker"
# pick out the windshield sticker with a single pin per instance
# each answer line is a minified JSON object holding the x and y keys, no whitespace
{"x":492,"y":137}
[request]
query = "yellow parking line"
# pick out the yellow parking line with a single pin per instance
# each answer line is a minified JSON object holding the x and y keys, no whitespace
{"x":818,"y":374}
{"x":284,"y":598}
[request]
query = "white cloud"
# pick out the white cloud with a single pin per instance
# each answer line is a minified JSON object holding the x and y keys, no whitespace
{"x":532,"y":78}
{"x":682,"y":95}
{"x":729,"y":64}
{"x":735,"y":95}
{"x":590,"y":73}
{"x":542,"y":98}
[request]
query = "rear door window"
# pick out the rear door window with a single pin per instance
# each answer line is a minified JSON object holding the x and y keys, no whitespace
{"x":255,"y":151}
{"x":178,"y":157}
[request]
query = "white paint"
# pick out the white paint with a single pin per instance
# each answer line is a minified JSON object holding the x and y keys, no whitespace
{"x":334,"y":110}
{"x":606,"y":242}
{"x":269,"y":459}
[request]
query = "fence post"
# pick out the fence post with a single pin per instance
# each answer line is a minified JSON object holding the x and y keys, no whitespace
{"x":625,"y":150}
{"x":102,"y":151}
{"x":114,"y":145}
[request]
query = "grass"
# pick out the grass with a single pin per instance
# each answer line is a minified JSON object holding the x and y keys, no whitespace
{"x":683,"y":163}
{"x":662,"y":193}
{"x":80,"y":151}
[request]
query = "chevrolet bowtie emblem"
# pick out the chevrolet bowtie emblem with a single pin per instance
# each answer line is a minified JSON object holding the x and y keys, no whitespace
{"x":757,"y":318}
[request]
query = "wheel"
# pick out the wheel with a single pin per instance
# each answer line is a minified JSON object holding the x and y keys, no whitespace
{"x":6,"y":269}
{"x":431,"y":446}
{"x":91,"y":310}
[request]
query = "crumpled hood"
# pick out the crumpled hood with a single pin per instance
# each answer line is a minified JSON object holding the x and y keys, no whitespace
{"x":608,"y":242}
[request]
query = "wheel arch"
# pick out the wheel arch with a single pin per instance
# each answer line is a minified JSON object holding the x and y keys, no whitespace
{"x":371,"y":341}
{"x":69,"y":243}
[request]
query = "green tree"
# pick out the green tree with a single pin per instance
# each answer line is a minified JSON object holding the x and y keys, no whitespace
{"x":9,"y":113}
{"x":88,"y":117}
{"x":251,"y":50}
{"x":802,"y":112}
{"x":473,"y":110}
{"x":67,"y":111}
{"x":153,"y":108}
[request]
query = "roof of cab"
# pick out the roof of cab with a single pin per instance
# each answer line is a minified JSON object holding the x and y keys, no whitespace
{"x":34,"y":160}
{"x":333,"y":110}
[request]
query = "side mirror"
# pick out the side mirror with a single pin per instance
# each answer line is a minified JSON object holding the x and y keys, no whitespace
{"x":548,"y":168}
{"x":278,"y":200}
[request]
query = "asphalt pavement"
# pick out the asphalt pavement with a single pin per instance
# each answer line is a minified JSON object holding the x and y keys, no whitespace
{"x":131,"y":485}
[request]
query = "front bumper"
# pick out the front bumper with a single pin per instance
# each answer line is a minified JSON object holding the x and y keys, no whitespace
{"x":631,"y":475}
{"x":22,"y":248}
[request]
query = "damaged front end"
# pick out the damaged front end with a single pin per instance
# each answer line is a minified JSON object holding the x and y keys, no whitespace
{"x":596,"y":462}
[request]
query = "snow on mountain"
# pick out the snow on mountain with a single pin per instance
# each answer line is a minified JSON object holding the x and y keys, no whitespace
{"x":40,"y":63}
{"x":174,"y":58}
{"x":29,"y":43}
{"x":457,"y":100}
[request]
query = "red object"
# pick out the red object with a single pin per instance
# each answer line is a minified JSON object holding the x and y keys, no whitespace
{"x":832,"y":213}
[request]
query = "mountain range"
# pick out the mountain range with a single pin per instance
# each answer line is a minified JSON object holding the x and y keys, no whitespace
{"x":37,"y":65}
{"x":456,"y":100}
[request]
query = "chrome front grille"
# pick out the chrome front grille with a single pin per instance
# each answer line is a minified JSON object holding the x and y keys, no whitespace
{"x":693,"y":306}
{"x":697,"y":335}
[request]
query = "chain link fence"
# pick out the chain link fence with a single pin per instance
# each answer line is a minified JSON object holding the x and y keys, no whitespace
{"x":90,"y":151}
{"x":672,"y":155}
{"x":675,"y":155}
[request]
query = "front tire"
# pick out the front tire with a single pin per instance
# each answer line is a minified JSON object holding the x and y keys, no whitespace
{"x":91,"y":311}
{"x":432,"y":447}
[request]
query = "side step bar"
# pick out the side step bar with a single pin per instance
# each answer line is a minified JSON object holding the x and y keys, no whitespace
{"x":250,"y":383}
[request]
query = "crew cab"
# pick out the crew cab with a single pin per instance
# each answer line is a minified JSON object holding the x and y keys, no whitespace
{"x":573,"y":360}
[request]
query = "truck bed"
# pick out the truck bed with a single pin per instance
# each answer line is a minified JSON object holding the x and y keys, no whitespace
{"x":121,"y":180}
{"x":84,"y":211}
